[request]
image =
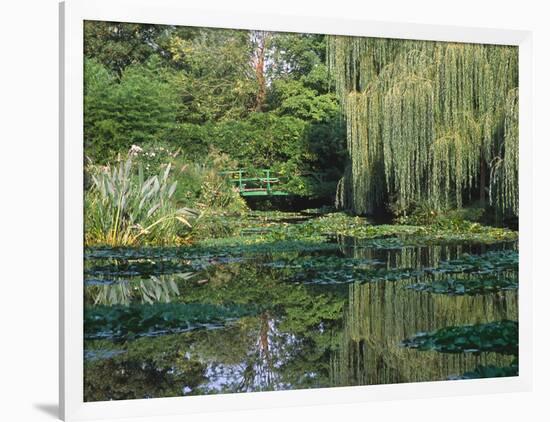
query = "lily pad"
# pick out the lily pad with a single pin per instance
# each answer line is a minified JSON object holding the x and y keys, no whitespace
{"x":490,"y":371}
{"x":120,"y":322}
{"x":466,"y":287}
{"x":499,"y":337}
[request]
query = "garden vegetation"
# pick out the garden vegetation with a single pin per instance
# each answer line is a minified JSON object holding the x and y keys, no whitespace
{"x":426,"y":132}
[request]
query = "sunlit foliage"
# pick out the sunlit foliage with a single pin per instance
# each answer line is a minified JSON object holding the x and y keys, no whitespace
{"x":427,"y":122}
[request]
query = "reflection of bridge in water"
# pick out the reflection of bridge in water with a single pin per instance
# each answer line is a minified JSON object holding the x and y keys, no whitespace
{"x":263,"y":185}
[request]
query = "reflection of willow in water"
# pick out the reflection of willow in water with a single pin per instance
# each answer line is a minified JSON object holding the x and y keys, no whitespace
{"x":381,"y":315}
{"x":414,"y":256}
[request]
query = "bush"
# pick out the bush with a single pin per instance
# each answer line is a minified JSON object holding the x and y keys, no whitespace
{"x":123,"y":209}
{"x":139,"y":108}
{"x":204,"y":185}
{"x":464,"y":219}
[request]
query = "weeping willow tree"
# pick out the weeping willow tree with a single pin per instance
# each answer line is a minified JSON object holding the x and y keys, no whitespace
{"x":427,"y":122}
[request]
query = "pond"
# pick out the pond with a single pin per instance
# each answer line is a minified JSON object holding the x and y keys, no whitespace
{"x":270,"y":312}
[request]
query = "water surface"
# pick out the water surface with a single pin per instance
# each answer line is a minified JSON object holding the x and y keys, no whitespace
{"x":182,"y":321}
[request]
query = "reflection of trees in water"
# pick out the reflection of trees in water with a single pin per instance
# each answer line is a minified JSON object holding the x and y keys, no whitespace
{"x":282,"y":347}
{"x":299,"y":338}
{"x":144,"y":368}
{"x":113,"y":379}
{"x":251,"y":355}
{"x":263,"y":367}
{"x":381,"y":315}
{"x":275,"y":349}
{"x":413,"y":256}
{"x":257,"y":365}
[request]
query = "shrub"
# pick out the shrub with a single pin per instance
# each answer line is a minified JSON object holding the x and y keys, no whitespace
{"x":123,"y":209}
{"x":204,"y":185}
{"x":463,"y":219}
{"x":139,"y":108}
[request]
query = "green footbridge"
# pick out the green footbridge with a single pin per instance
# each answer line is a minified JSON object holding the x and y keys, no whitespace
{"x":249,"y":184}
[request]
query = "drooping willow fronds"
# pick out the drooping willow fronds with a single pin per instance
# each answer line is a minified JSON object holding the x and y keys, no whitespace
{"x":504,"y":176}
{"x":426,"y":121}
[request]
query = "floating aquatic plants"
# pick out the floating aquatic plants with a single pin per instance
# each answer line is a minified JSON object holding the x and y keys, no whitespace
{"x":324,"y":233}
{"x":466,"y":287}
{"x":499,"y":337}
{"x":343,"y":276}
{"x":214,"y":250}
{"x":139,"y":267}
{"x":487,"y":263}
{"x":149,"y":320}
{"x":482,"y":271}
{"x":297,"y":275}
{"x":490,"y":371}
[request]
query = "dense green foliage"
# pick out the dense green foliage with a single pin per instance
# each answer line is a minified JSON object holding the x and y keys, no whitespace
{"x":261,"y":98}
{"x":197,"y":283}
{"x":429,"y":125}
{"x":500,"y":337}
{"x":141,"y":320}
{"x":124,"y":208}
{"x":136,"y":109}
{"x":427,"y":122}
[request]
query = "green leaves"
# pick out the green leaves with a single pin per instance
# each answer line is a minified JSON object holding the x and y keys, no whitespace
{"x":138,"y":109}
{"x":499,"y":337}
{"x":156,"y":319}
{"x":490,"y":371}
{"x":468,"y":287}
{"x":196,"y":88}
{"x":125,"y":209}
{"x":425,"y":120}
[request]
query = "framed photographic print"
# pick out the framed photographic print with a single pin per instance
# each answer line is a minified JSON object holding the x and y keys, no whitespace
{"x":263,"y":210}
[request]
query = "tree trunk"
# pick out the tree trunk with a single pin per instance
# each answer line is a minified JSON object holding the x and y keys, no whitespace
{"x":260,"y":39}
{"x":482,"y":182}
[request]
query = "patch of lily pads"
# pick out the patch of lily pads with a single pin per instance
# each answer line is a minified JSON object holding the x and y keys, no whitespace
{"x":484,"y":272}
{"x":487,"y":263}
{"x":137,"y":320}
{"x":490,"y":371}
{"x":341,"y":224}
{"x":322,"y":262}
{"x":343,"y":276}
{"x":137,"y":267}
{"x":213,"y":250}
{"x":467,"y":287}
{"x":498,"y":337}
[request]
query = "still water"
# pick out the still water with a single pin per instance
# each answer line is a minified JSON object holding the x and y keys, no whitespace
{"x":187,"y":321}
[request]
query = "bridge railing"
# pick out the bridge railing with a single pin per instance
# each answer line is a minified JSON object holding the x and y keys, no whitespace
{"x":250,"y":184}
{"x":265,"y":182}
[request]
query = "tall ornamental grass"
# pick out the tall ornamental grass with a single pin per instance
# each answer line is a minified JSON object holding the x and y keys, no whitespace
{"x":125,"y":209}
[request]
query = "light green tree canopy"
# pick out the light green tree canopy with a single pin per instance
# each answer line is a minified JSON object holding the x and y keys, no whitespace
{"x":427,"y":122}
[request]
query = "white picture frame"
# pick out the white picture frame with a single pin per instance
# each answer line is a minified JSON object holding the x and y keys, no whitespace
{"x":72,"y":15}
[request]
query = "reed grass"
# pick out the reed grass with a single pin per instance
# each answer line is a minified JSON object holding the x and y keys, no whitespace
{"x":123,"y":208}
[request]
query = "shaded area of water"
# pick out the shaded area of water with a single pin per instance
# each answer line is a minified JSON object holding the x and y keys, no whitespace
{"x":282,"y":318}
